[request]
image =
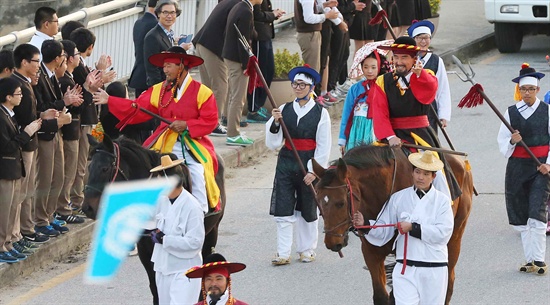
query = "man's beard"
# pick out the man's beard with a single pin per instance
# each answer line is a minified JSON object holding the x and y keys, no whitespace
{"x":216,"y":295}
{"x":401,"y":70}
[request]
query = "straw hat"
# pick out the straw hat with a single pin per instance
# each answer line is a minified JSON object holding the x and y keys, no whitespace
{"x":426,"y":160}
{"x":165,"y":163}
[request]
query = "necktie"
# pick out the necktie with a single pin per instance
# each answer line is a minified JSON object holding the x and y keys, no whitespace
{"x":171,"y":36}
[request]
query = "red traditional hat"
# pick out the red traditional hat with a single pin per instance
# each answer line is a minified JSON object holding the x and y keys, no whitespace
{"x":175,"y":55}
{"x":218,"y":264}
{"x":403,"y":45}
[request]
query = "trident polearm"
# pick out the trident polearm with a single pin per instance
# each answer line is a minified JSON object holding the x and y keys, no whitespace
{"x":384,"y":17}
{"x":469,"y":77}
{"x":246,"y":46}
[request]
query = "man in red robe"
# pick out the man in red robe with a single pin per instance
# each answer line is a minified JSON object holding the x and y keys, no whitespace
{"x":400,"y":104}
{"x":190,"y":106}
{"x":401,"y":100}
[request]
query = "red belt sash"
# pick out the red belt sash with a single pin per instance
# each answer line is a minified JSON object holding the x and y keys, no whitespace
{"x":302,"y":144}
{"x":410,"y":122}
{"x":538,"y":151}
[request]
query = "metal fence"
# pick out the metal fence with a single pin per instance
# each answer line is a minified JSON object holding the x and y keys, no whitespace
{"x":114,"y":30}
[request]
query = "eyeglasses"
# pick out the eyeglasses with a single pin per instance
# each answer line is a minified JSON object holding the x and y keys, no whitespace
{"x":166,"y":13}
{"x":20,"y":93}
{"x":425,"y":38}
{"x":530,"y":90}
{"x":56,"y":21}
{"x":35,"y":60}
{"x":299,"y":85}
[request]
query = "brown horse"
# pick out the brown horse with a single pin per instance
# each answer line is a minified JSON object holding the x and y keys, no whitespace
{"x":124,"y":159}
{"x":366,"y":177}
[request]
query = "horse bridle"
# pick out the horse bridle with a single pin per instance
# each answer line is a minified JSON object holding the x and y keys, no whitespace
{"x":351,"y":206}
{"x":116,"y":167}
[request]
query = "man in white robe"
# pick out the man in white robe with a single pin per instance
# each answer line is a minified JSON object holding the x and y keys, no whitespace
{"x":425,"y":214}
{"x":178,"y":239}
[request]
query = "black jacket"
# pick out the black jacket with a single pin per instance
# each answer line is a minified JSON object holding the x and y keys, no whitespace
{"x":26,"y":112}
{"x":263,"y":21}
{"x":155,"y":42}
{"x":70,"y":132}
{"x":212,"y":33}
{"x":48,"y":96}
{"x":11,"y":141}
{"x":138,"y":78}
{"x":88,"y":110}
{"x":241,"y":15}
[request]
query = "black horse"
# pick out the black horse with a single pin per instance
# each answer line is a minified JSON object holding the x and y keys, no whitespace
{"x":123,"y":160}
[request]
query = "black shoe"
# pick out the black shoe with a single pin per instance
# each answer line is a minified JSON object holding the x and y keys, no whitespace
{"x":47,"y":231}
{"x":20,"y":256}
{"x":27,"y":244}
{"x":7,"y":257}
{"x":36,"y":238}
{"x":22,"y":249}
{"x":70,"y":218}
{"x":60,"y":229}
{"x":219,"y":131}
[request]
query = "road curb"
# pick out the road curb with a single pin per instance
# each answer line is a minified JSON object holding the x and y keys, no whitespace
{"x":54,"y":250}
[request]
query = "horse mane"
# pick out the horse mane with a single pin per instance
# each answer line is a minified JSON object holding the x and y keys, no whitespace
{"x":147,"y":157}
{"x":367,"y":156}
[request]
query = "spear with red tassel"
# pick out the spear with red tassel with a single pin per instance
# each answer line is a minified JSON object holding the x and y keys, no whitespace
{"x":382,"y":16}
{"x":475,"y":97}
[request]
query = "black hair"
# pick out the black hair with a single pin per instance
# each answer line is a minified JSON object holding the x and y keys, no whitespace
{"x":42,"y":15}
{"x":117,"y":89}
{"x":6,"y":60}
{"x":69,"y":27}
{"x":83,"y":39}
{"x":415,"y":167}
{"x":385,"y":66}
{"x":68,"y":46}
{"x":162,"y":3}
{"x":50,"y":50}
{"x":24,"y":51}
{"x":7,"y":87}
{"x":152,"y":3}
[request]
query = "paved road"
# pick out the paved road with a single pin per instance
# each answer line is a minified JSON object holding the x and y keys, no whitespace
{"x":485,"y":274}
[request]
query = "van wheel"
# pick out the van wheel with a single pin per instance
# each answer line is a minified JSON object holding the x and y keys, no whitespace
{"x":508,"y":37}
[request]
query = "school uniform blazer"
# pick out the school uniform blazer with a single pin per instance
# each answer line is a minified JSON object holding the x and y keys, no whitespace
{"x":212,"y":33}
{"x":155,"y":42}
{"x":48,"y":96}
{"x":11,"y":140}
{"x":242,"y":16}
{"x":138,"y":78}
{"x":26,"y":112}
{"x":263,"y":21}
{"x":88,"y":110}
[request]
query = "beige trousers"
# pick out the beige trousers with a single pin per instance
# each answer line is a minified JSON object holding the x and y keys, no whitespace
{"x":214,"y":76}
{"x":238,"y":83}
{"x":310,"y":44}
{"x":25,"y":210}
{"x":9,"y":195}
{"x":77,"y":191}
{"x":70,"y":153}
{"x":49,"y":179}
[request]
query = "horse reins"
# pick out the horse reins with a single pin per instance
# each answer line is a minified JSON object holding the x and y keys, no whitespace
{"x":116,"y":164}
{"x":351,"y":196}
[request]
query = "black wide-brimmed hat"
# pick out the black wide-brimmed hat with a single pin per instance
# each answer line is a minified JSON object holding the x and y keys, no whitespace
{"x":526,"y":71}
{"x":175,"y":55}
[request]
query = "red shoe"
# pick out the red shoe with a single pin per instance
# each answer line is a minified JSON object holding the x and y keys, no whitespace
{"x":330,"y":98}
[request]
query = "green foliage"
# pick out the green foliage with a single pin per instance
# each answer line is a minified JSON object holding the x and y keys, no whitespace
{"x":434,"y":7}
{"x":284,"y":62}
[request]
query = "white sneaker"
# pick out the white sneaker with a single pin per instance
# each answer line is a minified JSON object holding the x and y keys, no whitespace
{"x":279,"y":261}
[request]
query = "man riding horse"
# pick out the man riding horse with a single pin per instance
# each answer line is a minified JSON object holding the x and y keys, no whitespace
{"x":400,"y":104}
{"x":191,"y":107}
